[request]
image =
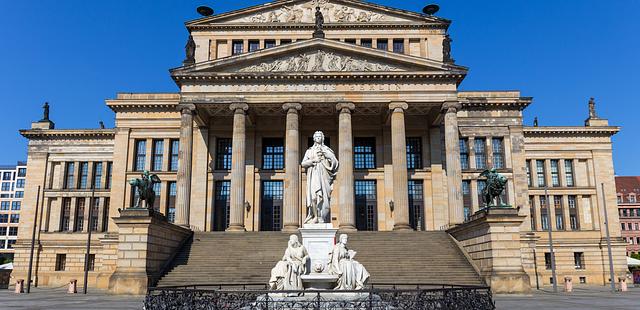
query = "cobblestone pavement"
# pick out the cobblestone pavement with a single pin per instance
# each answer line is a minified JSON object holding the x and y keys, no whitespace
{"x":593,"y":297}
{"x":45,"y":298}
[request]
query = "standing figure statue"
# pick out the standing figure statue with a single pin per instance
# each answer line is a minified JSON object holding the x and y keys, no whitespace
{"x":144,"y":188}
{"x":351,"y":274}
{"x":322,"y":166}
{"x":45,"y":112}
{"x":496,"y":184}
{"x":319,"y":27}
{"x":190,"y":51}
{"x":287,"y":274}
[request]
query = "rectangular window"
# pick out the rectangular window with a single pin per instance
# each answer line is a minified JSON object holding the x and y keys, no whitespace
{"x":481,"y":186}
{"x":109,"y":175}
{"x":544,"y":213}
{"x":157,"y":188}
{"x":91,"y":263}
{"x":269,"y":43}
{"x":382,"y":44}
{"x":366,"y":43}
{"x":171,"y":207}
{"x":97,"y":175}
{"x":568,"y":170}
{"x":398,"y":46}
{"x":2,"y":244}
{"x":285,"y":41}
{"x":555,"y":174}
{"x":416,"y":204}
{"x":22,"y":172}
{"x":158,"y":152}
{"x":3,"y":232}
{"x":173,"y":160}
{"x":223,"y":154}
{"x":20,"y":183}
{"x":15,"y":206}
{"x":466,"y":199}
{"x":573,"y":213}
{"x":6,"y":176}
{"x":350,"y":41}
{"x":272,"y":153}
{"x":237,"y":47}
{"x":66,"y":214}
{"x":480,"y":151}
{"x":19,"y":194}
{"x":366,"y":205}
{"x":547,"y":261}
{"x":464,"y":153}
{"x":414,"y":153}
{"x":10,"y":244}
{"x":6,"y":186}
{"x":271,"y":206}
{"x":557,"y":205}
{"x":532,"y":212}
{"x":105,"y":214}
{"x":4,"y":218}
{"x":4,"y":205}
{"x":95,"y":214}
{"x":69,"y":181}
{"x":141,"y":155}
{"x":61,"y":262}
{"x":578,"y":260}
{"x":222,"y":205}
{"x":84,"y":174}
{"x":14,"y":219}
{"x":254,"y":45}
{"x":528,"y":168}
{"x":364,"y":153}
{"x":498,"y":152}
{"x":79,"y":220}
{"x":13,"y":231}
{"x":540,"y":173}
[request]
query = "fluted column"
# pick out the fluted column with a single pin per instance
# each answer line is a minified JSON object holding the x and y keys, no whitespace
{"x":454,"y":174}
{"x":399,"y":163}
{"x":183,"y":185}
{"x":345,"y":172}
{"x":238,"y":155}
{"x":292,"y":169}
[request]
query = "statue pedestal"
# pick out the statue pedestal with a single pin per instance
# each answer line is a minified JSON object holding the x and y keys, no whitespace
{"x":319,"y":240}
{"x":319,"y":281}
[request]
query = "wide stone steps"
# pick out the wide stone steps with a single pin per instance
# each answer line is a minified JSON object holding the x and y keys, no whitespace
{"x":390,"y":257}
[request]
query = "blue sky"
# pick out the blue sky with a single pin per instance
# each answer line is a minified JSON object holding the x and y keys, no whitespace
{"x":77,"y":53}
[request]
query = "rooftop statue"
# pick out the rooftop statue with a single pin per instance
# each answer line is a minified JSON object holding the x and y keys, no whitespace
{"x":45,"y":112}
{"x":496,"y":184}
{"x":190,"y":51}
{"x":144,"y":189}
{"x":319,"y":32}
{"x":322,"y":166}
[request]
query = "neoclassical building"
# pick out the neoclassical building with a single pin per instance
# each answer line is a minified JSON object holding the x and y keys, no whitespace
{"x":383,"y":87}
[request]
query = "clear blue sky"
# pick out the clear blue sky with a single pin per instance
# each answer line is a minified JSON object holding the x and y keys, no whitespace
{"x":77,"y":53}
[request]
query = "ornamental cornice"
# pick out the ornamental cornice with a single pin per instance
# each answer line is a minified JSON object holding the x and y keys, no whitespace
{"x":473,"y":103}
{"x":69,"y":133}
{"x":127,"y":106}
{"x":570,"y":131}
{"x":458,"y":77}
{"x":310,"y":26}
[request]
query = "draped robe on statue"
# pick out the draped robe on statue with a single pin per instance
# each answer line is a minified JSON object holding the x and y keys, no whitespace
{"x":286,"y":275}
{"x":319,"y":180}
{"x":352,"y":275}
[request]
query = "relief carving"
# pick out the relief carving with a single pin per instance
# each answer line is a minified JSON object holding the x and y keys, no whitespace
{"x":319,"y":61}
{"x":304,"y":13}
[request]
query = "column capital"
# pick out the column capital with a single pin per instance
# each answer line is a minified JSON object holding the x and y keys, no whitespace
{"x":292,"y":107}
{"x":398,"y":106}
{"x":451,"y":106}
{"x":345,"y":107}
{"x":239,"y":107}
{"x":187,"y":108}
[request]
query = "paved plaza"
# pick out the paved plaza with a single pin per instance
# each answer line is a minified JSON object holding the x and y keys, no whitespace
{"x":581,"y":298}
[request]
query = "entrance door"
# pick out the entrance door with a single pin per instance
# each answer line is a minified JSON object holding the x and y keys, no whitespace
{"x":271,"y":206}
{"x":416,"y":204}
{"x":366,"y":205}
{"x":222,"y":204}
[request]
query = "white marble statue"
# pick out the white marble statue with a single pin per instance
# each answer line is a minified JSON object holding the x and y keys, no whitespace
{"x":351,"y":274}
{"x":322,"y":166}
{"x":287,"y":274}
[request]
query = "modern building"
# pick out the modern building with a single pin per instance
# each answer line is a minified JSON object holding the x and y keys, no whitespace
{"x":383,"y":87}
{"x":628,"y":189}
{"x":12,"y":187}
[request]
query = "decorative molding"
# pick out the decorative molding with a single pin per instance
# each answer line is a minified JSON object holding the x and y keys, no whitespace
{"x":292,"y":107}
{"x":398,"y":105}
{"x":345,"y":107}
{"x":319,"y":61}
{"x":570,"y":131}
{"x":68,"y":133}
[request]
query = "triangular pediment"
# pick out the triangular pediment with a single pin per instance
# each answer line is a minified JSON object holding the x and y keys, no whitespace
{"x":303,"y":11}
{"x":319,"y":55}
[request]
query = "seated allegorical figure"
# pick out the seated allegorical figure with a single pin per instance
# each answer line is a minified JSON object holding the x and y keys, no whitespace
{"x":351,"y":274}
{"x":287,"y":274}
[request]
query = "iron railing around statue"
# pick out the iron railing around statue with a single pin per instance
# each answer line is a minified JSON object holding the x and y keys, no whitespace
{"x":377,"y":297}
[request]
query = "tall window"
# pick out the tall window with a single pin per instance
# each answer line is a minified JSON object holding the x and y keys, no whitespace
{"x":382,"y":44}
{"x":557,"y":204}
{"x":416,"y":204}
{"x":578,"y":260}
{"x":271,"y":207}
{"x":366,"y":205}
{"x":4,"y":205}
{"x":540,"y":173}
{"x":173,"y":159}
{"x":61,"y":262}
{"x":414,"y":153}
{"x":365,"y":42}
{"x":15,"y":205}
{"x":6,"y":186}
{"x":573,"y":213}
{"x":223,"y":154}
{"x":532,"y":212}
{"x":171,"y":206}
{"x":498,"y":152}
{"x":92,"y":262}
{"x":528,"y":167}
{"x":13,"y":231}
{"x":4,"y":218}
{"x":398,"y":45}
{"x":94,"y":214}
{"x":272,"y":153}
{"x":464,"y":153}
{"x":79,"y":224}
{"x":15,"y":219}
{"x":6,"y":176}
{"x":157,"y":188}
{"x":69,"y":181}
{"x":20,"y":183}
{"x":547,"y":261}
{"x":254,"y":45}
{"x":109,"y":175}
{"x":22,"y":172}
{"x":66,"y":214}
{"x":555,"y":174}
{"x":364,"y":152}
{"x":19,"y":194}
{"x":105,"y":214}
{"x":84,"y":174}
{"x":466,"y":199}
{"x":482,"y":184}
{"x":568,"y":170}
{"x":480,"y":151}
{"x":544,"y":213}
{"x":158,"y":151}
{"x":237,"y":47}
{"x":141,"y":154}
{"x":222,"y":205}
{"x":97,"y":175}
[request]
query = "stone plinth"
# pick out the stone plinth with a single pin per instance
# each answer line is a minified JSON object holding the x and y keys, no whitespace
{"x":319,"y":281}
{"x":319,"y":240}
{"x":492,"y":240}
{"x":146,"y":242}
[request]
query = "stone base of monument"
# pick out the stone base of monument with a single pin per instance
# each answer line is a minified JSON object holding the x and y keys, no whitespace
{"x":319,"y":281}
{"x":318,"y":239}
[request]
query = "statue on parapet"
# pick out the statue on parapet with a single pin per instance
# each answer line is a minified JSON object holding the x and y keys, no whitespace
{"x":351,"y":274}
{"x":496,"y":184}
{"x":322,"y":166}
{"x":288,"y":272}
{"x":144,"y":189}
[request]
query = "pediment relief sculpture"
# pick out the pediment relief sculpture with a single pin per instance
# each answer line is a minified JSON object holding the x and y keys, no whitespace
{"x":320,"y":61}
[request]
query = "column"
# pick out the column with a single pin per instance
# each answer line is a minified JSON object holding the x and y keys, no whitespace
{"x":292,"y":169}
{"x":183,"y":186}
{"x":345,"y":172}
{"x":454,"y":175}
{"x":399,"y":163}
{"x":238,"y":146}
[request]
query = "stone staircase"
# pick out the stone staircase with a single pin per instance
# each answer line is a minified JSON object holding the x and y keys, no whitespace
{"x":390,"y":257}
